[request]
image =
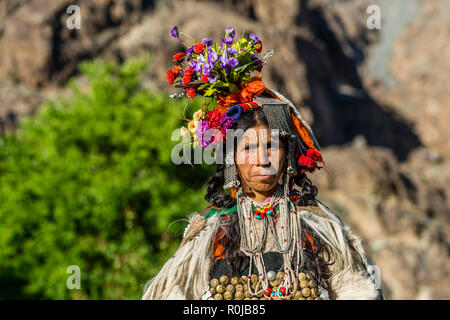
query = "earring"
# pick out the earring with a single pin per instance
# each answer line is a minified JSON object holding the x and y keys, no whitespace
{"x":230,"y":177}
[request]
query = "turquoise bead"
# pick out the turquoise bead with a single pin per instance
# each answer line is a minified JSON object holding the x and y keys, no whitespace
{"x":269,"y":212}
{"x":258,"y":217}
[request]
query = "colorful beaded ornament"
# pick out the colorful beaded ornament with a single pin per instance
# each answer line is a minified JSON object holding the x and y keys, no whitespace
{"x":260,"y":213}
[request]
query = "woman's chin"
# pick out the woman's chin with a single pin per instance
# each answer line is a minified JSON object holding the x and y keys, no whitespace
{"x":263,"y":184}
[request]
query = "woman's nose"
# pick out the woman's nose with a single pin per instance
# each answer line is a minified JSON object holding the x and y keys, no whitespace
{"x":262,"y":158}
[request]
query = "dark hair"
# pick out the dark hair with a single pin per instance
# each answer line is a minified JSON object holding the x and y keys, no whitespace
{"x":215,"y":195}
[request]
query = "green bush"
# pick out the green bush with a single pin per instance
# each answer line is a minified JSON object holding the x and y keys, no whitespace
{"x":89,"y":182}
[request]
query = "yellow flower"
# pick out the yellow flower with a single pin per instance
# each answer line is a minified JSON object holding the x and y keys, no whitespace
{"x":198,"y":115}
{"x":192,"y":125}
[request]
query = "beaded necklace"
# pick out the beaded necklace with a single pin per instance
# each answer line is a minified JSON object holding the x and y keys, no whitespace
{"x":287,"y":243}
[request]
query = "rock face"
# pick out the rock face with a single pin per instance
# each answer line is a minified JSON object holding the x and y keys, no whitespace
{"x":377,"y":99}
{"x":37,"y":47}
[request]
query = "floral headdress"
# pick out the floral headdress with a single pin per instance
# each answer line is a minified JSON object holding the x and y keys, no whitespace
{"x":222,"y":73}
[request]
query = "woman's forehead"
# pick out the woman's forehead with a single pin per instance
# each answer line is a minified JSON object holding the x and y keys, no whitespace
{"x":255,"y":134}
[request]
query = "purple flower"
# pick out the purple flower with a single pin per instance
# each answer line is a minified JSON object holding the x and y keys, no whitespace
{"x":226,"y":122}
{"x":254,"y":37}
{"x":198,"y":64}
{"x":227,"y":63}
{"x":232,"y":51}
{"x":189,"y":51}
{"x":193,"y":64}
{"x":207,"y":67}
{"x":254,"y":56}
{"x":229,"y":32}
{"x":207,"y":41}
{"x":212,"y":77}
{"x":232,"y":62}
{"x":212,"y":56}
{"x":227,"y":40}
{"x":201,"y":130}
{"x":174,"y":32}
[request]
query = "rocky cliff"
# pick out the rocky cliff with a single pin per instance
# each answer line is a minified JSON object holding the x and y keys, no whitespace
{"x":377,"y":99}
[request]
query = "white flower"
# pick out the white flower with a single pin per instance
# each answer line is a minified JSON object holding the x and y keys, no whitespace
{"x":184,"y":131}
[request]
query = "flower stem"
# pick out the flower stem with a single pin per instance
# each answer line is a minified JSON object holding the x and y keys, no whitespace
{"x":183,"y":43}
{"x":193,"y":40}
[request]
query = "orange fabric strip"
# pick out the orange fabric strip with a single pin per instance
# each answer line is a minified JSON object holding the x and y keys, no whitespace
{"x":311,"y":241}
{"x":302,"y":131}
{"x":219,"y":251}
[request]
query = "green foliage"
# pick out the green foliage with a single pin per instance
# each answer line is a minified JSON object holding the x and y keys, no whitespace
{"x":90,"y":182}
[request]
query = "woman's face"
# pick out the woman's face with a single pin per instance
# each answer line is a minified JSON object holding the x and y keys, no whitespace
{"x":260,"y":161}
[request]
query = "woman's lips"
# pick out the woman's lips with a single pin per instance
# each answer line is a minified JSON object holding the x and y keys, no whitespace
{"x":262,"y":176}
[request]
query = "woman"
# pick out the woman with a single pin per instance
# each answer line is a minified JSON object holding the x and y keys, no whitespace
{"x":265,"y":235}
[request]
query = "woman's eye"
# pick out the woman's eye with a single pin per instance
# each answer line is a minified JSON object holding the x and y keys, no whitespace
{"x":272,"y":145}
{"x":249,"y":147}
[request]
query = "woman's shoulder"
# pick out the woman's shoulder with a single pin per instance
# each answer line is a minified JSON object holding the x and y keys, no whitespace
{"x":319,"y":210}
{"x":198,"y":221}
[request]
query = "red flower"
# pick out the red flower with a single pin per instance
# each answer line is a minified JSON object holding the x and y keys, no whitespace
{"x":191,"y":93}
{"x":214,"y":117}
{"x":259,"y":46}
{"x":186,"y":79}
{"x":199,"y":47}
{"x":178,"y":56}
{"x":204,"y":78}
{"x":170,"y":76}
{"x":314,"y":154}
{"x":176,"y":69}
{"x":307,"y":162}
{"x":189,"y":71}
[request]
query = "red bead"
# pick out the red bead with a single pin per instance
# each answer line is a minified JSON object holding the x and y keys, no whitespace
{"x":268,"y":291}
{"x":283,"y":290}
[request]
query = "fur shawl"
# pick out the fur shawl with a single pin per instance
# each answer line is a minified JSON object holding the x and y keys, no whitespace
{"x":186,"y":274}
